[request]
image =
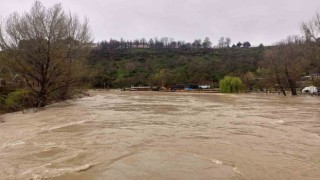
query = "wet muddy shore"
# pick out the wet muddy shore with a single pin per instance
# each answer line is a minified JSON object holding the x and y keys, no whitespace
{"x":157,"y":135}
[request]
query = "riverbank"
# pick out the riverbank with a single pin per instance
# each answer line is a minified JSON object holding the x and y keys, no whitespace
{"x":19,"y":101}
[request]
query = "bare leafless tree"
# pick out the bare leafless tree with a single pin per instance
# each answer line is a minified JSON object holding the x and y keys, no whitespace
{"x":221,"y":42}
{"x":224,"y":42}
{"x":45,"y":45}
{"x":311,"y":30}
{"x":272,"y":69}
{"x":228,"y":41}
{"x":206,"y":43}
{"x":287,"y":62}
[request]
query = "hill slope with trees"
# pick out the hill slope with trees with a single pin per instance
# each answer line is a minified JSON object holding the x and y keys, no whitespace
{"x":167,"y":66}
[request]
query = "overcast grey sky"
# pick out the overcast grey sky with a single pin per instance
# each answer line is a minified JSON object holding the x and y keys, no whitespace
{"x":257,"y":21}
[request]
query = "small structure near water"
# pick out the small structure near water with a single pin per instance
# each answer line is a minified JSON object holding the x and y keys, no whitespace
{"x":311,"y":90}
{"x":144,"y":88}
{"x":176,"y":87}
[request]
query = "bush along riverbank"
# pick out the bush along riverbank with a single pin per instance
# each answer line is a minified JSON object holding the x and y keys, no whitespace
{"x":12,"y":100}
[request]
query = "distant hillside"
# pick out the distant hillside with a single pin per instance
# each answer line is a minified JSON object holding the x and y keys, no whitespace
{"x":125,"y":67}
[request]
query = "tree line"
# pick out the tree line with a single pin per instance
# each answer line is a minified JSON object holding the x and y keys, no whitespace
{"x":170,"y":43}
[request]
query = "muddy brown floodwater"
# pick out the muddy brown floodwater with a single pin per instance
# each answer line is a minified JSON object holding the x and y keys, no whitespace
{"x":154,"y":135}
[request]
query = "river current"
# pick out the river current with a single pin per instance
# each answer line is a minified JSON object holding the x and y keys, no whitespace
{"x":155,"y":135}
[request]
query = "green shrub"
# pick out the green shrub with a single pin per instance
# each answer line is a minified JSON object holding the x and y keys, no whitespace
{"x":231,"y":85}
{"x":16,"y":100}
{"x":2,"y":103}
{"x":3,"y":95}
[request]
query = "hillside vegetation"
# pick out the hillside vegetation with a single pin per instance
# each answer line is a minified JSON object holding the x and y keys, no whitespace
{"x":125,"y":67}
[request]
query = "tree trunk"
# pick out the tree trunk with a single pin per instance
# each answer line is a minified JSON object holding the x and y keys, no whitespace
{"x":279,"y":82}
{"x":42,"y":94}
{"x":291,"y":83}
{"x":43,"y":101}
{"x":292,"y":87}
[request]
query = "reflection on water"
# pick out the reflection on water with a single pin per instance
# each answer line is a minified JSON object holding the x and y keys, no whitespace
{"x":152,"y":135}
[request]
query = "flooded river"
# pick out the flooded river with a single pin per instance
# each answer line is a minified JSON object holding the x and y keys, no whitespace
{"x":154,"y":135}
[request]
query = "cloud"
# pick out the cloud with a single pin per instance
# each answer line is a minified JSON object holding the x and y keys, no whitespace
{"x":248,"y":20}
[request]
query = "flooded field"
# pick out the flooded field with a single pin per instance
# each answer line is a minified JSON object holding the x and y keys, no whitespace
{"x":153,"y":135}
